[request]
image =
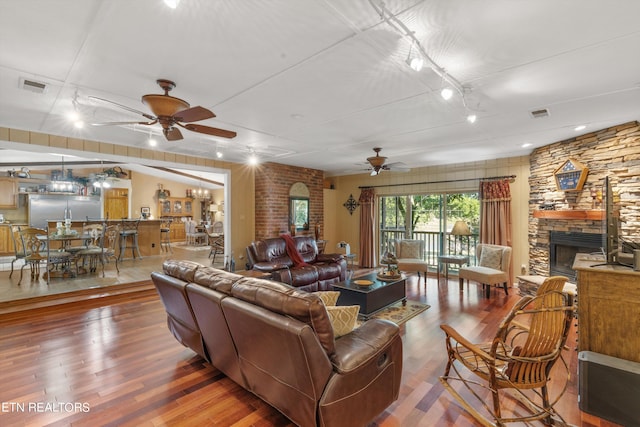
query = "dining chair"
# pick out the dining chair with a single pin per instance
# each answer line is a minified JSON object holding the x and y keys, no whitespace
{"x":18,"y":245}
{"x":36,"y":243}
{"x":92,"y":247}
{"x":514,"y":368}
{"x":217,"y":246}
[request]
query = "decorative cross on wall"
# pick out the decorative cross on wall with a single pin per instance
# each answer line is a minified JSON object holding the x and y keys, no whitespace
{"x":351,"y":204}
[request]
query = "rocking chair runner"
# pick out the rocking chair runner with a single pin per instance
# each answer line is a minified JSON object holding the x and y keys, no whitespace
{"x":526,"y":346}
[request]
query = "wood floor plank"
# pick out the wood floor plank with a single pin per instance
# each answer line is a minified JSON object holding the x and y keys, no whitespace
{"x":117,"y":356}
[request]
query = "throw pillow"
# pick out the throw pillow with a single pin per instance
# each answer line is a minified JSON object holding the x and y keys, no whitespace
{"x":343,"y":318}
{"x":328,"y":297}
{"x":491,"y":257}
{"x":410,"y":249}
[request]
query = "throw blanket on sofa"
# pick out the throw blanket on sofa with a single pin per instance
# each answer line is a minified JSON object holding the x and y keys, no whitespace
{"x":292,"y":251}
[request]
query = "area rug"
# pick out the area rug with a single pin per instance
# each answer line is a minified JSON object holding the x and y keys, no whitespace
{"x":183,"y":245}
{"x":399,"y":314}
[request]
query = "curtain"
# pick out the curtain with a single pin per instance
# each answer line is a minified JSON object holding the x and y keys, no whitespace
{"x":367,"y":228}
{"x":495,"y":212}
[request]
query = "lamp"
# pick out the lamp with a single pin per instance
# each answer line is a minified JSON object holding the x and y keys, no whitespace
{"x":460,"y":228}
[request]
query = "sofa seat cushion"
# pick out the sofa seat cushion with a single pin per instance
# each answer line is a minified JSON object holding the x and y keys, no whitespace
{"x":328,"y":270}
{"x":411,"y":264}
{"x":486,"y":275}
{"x":305,"y":275}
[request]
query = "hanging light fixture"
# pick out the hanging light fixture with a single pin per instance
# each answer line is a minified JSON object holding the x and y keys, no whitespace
{"x":62,"y":183}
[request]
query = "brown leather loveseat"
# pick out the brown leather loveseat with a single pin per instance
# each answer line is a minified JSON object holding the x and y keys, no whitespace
{"x":323,"y":270}
{"x":277,"y":342}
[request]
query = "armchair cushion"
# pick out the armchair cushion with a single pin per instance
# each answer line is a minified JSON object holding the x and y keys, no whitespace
{"x":491,"y":258}
{"x":410,"y":249}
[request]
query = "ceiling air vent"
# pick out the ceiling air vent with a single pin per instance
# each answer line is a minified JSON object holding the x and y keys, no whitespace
{"x":537,"y":114}
{"x":33,"y":86}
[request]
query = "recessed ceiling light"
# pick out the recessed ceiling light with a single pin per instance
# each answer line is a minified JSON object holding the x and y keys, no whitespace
{"x":471,"y":118}
{"x":579,"y":128}
{"x":526,"y":144}
{"x":172,"y":3}
{"x":446,"y":93}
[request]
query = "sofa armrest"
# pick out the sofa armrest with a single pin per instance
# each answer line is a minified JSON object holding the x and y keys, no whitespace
{"x":363,"y":344}
{"x":269,"y":267}
{"x":329,"y":257}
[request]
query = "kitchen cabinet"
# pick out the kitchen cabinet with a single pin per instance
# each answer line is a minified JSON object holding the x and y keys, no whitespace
{"x":8,"y":193}
{"x":6,"y":242}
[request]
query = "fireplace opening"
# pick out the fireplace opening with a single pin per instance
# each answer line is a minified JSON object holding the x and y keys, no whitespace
{"x":563,"y":247}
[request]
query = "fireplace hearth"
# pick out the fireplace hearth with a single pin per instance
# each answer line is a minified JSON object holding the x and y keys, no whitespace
{"x":563,"y":247}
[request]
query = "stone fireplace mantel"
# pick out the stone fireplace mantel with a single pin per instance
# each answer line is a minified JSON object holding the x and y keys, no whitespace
{"x":591,"y":214}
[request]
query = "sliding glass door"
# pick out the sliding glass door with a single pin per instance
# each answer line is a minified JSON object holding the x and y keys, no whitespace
{"x":431,"y":218}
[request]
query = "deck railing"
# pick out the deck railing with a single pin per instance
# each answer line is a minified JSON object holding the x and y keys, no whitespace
{"x":436,"y":243}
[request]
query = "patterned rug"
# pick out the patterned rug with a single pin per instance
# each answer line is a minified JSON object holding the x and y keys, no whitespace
{"x":183,"y":245}
{"x":399,"y":314}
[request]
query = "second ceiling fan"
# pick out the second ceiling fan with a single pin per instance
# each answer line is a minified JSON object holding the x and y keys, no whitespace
{"x":378,"y":163}
{"x":171,"y":113}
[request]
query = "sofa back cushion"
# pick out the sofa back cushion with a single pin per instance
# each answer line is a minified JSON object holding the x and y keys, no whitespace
{"x":214,"y":278}
{"x":271,"y":250}
{"x":180,"y":269}
{"x":286,"y":300}
{"x":307,"y":248}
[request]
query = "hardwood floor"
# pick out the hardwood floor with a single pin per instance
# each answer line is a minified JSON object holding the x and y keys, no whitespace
{"x":112,"y":361}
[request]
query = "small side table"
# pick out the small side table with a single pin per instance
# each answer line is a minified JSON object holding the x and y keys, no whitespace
{"x":460,"y":260}
{"x":350,"y":260}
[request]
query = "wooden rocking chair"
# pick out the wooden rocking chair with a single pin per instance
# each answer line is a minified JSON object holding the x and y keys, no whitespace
{"x":526,"y":346}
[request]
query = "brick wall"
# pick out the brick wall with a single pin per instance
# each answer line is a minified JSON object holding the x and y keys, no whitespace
{"x":613,"y":152}
{"x":273,"y":181}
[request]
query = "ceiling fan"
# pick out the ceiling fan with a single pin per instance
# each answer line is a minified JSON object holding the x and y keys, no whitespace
{"x":170,"y":112}
{"x":378,"y":163}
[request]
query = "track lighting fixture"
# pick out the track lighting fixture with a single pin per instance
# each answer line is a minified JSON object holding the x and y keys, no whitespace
{"x":446,"y":93}
{"x":415,"y":62}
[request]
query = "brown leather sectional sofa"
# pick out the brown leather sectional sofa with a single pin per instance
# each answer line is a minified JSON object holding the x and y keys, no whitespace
{"x":277,"y":342}
{"x":270,"y":256}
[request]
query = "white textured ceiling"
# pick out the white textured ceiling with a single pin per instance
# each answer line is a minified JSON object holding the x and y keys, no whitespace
{"x":320,"y":83}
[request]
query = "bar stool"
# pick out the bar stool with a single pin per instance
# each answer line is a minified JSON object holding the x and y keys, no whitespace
{"x":129,"y":238}
{"x":165,"y":234}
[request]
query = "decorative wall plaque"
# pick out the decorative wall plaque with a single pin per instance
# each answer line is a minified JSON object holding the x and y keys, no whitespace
{"x":351,"y":204}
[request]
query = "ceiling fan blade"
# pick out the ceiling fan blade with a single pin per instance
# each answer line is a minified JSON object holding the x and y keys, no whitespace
{"x":172,"y":134}
{"x":124,"y":107}
{"x":194,"y":114}
{"x":209,"y":130}
{"x":124,"y":123}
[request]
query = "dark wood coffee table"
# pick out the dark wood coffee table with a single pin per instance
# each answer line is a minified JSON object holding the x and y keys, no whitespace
{"x":371,"y":298}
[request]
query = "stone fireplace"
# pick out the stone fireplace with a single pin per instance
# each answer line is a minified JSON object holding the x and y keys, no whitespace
{"x":563,"y":247}
{"x":613,"y":152}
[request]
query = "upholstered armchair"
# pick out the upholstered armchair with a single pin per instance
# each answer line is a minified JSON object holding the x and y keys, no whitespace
{"x":410,"y":255}
{"x":492,"y":269}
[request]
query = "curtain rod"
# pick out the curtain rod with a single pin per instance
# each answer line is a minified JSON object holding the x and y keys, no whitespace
{"x":490,"y":178}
